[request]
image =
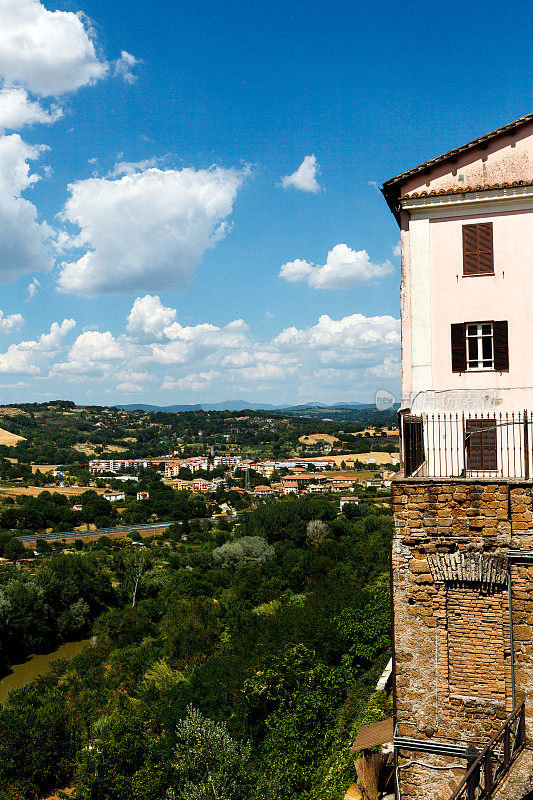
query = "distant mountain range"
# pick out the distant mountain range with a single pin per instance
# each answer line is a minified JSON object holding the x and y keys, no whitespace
{"x":241,"y":405}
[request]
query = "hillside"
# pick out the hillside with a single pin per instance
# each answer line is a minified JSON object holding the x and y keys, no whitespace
{"x":257,"y":647}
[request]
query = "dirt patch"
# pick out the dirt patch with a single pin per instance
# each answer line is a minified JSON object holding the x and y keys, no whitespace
{"x":10,"y":439}
{"x":43,"y":467}
{"x":67,"y":790}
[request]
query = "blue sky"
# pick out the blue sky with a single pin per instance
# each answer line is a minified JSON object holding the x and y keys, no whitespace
{"x":194,"y":188}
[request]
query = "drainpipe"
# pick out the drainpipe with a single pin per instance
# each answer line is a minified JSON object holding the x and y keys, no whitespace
{"x":511,"y":643}
{"x":510,"y":598}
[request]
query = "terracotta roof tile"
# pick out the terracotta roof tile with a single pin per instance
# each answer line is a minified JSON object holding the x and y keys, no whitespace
{"x":465,"y":189}
{"x":511,"y":126}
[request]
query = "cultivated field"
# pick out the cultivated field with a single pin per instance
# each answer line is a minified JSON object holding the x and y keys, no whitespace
{"x":10,"y":439}
{"x":34,"y":491}
{"x":314,"y":438}
{"x":369,"y":458}
{"x":89,"y":450}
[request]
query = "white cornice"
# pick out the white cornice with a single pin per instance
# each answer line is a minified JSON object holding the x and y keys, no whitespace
{"x":512,"y":199}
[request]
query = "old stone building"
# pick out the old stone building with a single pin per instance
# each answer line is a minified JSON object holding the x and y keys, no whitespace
{"x":462,"y":555}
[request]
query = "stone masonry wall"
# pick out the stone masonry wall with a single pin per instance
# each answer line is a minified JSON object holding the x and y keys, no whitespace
{"x":451,"y":637}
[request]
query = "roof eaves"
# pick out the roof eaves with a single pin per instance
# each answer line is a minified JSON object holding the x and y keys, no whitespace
{"x":390,"y":188}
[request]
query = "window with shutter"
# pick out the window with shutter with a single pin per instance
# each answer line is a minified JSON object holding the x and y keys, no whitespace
{"x":478,"y":346}
{"x":478,"y":256}
{"x":458,"y":347}
{"x":481,"y":445}
{"x":501,"y":346}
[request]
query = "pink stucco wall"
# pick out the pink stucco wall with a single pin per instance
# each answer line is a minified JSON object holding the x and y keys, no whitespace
{"x":506,"y":295}
{"x":405,"y":306}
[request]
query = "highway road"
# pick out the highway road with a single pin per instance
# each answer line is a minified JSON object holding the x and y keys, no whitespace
{"x":54,"y":537}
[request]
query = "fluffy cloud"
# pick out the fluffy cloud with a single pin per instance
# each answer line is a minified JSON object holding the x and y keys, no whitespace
{"x":32,"y":289}
{"x":334,"y":359}
{"x":148,"y":317}
{"x":305,"y":176}
{"x":127,"y":387}
{"x":33,"y":356}
{"x":22,"y":238}
{"x":148,"y":230}
{"x":355,"y":339}
{"x":10,"y":322}
{"x":47,"y":52}
{"x":124,"y":66}
{"x":344,"y":267}
{"x":17,"y":110}
{"x":390,"y":368}
{"x":397,"y":249}
{"x":92,"y":354}
{"x":195,"y":382}
{"x":192,"y":342}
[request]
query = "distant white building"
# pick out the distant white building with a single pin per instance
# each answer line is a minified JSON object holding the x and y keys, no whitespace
{"x":114,"y":497}
{"x":116,"y":465}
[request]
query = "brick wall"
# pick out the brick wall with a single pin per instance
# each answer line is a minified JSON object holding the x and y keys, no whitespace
{"x":474,"y":620}
{"x":452,"y":651}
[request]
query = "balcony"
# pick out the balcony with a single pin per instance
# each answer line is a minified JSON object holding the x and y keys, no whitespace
{"x":453,"y":445}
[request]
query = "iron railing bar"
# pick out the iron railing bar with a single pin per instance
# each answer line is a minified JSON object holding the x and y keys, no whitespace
{"x":466,"y":783}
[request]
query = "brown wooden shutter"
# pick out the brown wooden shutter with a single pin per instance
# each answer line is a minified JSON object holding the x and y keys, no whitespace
{"x":501,"y":346}
{"x":458,"y":347}
{"x":481,"y":444}
{"x":478,"y":256}
{"x":485,"y":248}
{"x":470,"y":257}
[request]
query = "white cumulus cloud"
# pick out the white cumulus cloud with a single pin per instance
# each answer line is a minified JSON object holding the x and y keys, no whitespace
{"x":332,"y":359}
{"x":23,"y":238}
{"x":93,"y":348}
{"x":344,"y":267}
{"x":148,"y":317}
{"x":17,"y":110}
{"x":350,"y":340}
{"x":32,"y":357}
{"x":194,"y":382}
{"x":305,"y":176}
{"x":10,"y":322}
{"x":148,"y":230}
{"x":46,"y":52}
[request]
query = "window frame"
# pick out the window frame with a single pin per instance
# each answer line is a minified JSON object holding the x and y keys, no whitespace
{"x":480,"y":337}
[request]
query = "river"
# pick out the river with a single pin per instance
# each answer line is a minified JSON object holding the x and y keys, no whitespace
{"x":24,"y":673}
